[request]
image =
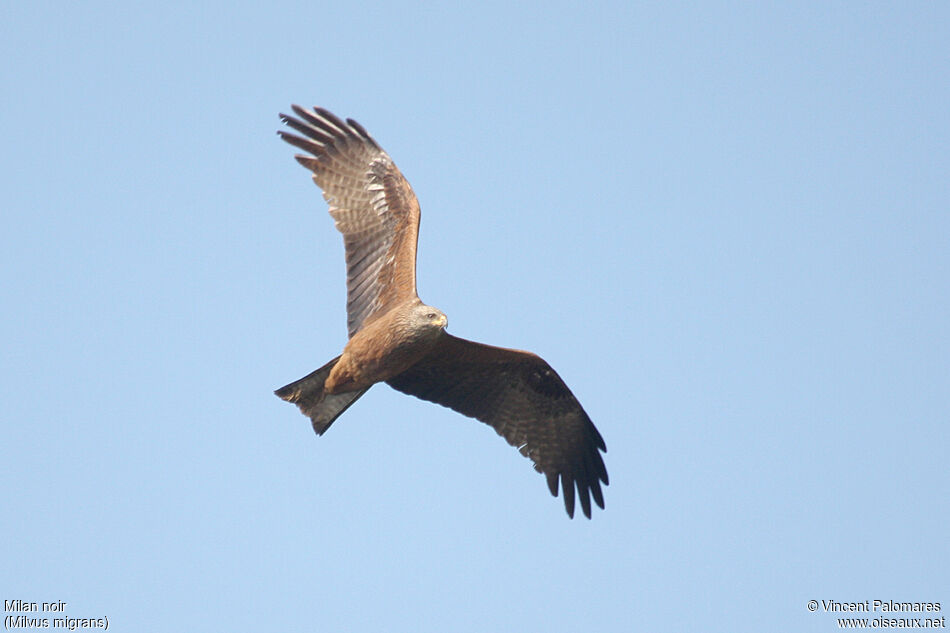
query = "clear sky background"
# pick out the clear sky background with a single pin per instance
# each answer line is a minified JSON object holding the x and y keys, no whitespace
{"x":725,"y":225}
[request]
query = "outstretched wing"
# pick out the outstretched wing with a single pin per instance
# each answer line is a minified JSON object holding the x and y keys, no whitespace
{"x":526,"y":402}
{"x":373,"y":206}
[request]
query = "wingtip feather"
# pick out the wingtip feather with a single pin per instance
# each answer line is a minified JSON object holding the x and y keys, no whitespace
{"x":567,"y":489}
{"x":584,"y":494}
{"x":332,"y":118}
{"x":598,"y":494}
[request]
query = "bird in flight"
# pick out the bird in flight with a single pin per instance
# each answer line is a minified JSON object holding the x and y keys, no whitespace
{"x":397,"y":339}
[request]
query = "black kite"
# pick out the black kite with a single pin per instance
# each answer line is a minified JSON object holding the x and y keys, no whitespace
{"x":397,"y":339}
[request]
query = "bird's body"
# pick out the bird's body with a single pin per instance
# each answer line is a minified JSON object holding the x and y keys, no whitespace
{"x":397,"y":339}
{"x":364,"y":362}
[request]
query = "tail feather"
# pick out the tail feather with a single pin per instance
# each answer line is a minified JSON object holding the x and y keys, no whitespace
{"x":322,"y":408}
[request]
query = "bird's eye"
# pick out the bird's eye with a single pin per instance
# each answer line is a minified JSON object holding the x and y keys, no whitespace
{"x":431,"y":316}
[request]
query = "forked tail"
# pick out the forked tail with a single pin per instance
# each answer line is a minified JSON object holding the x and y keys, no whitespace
{"x":322,"y":408}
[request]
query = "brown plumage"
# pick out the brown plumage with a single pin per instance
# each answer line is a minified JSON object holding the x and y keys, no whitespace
{"x":397,"y":339}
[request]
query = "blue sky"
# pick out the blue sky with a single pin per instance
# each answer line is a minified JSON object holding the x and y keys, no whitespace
{"x":725,"y":225}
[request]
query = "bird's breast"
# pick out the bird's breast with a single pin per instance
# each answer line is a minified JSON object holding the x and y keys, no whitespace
{"x":374,"y":354}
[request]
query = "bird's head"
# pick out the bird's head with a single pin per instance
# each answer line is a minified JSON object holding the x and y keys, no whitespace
{"x":428,"y":318}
